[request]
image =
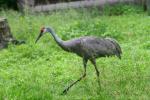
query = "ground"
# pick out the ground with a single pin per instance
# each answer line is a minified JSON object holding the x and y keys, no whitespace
{"x":41,"y":71}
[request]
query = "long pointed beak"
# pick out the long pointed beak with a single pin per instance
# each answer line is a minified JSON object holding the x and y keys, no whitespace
{"x":38,"y":37}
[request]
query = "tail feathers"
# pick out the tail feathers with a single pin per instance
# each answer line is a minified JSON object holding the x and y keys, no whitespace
{"x":118,"y":48}
{"x":118,"y":55}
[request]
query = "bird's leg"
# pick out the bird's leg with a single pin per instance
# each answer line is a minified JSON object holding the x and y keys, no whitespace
{"x":84,"y":64}
{"x":93,"y":61}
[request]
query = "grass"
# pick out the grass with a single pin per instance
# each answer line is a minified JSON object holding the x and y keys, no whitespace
{"x":41,"y":71}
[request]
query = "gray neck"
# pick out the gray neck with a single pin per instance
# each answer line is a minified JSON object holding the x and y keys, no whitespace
{"x":58,"y":40}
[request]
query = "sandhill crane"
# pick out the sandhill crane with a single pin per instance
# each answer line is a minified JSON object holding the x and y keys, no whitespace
{"x":89,"y":48}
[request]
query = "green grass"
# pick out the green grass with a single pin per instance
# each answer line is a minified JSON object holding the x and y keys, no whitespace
{"x":41,"y":71}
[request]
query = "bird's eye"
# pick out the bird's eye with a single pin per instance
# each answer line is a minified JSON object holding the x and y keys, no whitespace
{"x":41,"y":30}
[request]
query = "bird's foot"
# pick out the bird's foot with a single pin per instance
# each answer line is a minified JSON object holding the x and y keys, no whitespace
{"x":65,"y":92}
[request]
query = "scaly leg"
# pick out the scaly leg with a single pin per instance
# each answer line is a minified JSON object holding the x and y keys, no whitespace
{"x":84,"y":63}
{"x":97,"y":72}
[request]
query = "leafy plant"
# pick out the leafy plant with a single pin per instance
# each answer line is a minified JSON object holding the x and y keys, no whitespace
{"x":119,"y":9}
{"x":85,"y":28}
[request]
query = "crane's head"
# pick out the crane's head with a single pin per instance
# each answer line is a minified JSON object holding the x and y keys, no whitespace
{"x":42,"y":31}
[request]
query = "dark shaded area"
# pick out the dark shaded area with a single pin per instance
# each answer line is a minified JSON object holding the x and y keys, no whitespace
{"x":12,"y":4}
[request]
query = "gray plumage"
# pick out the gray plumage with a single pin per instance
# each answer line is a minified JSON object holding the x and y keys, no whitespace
{"x":88,"y":47}
{"x":92,"y":47}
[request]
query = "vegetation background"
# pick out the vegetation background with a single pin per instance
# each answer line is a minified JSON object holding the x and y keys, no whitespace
{"x":41,"y":71}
